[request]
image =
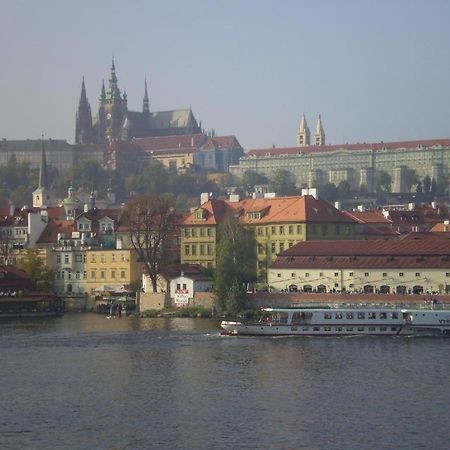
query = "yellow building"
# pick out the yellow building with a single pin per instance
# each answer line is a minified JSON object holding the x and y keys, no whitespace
{"x":278,"y":224}
{"x":111,"y":268}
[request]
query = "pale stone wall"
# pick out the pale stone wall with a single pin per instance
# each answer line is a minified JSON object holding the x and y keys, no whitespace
{"x":152,"y":301}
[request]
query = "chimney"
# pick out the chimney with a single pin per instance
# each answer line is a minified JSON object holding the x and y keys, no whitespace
{"x":204,"y":197}
{"x":12,"y":209}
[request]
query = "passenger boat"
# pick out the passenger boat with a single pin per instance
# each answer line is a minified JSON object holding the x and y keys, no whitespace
{"x":344,"y":321}
{"x":30,"y":305}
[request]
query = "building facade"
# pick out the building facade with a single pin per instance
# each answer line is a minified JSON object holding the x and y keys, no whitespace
{"x":417,"y":264}
{"x":358,"y":164}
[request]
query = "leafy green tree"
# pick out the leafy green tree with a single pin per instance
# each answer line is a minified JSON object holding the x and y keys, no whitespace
{"x":87,"y":175}
{"x":153,"y":179}
{"x":235,"y":264}
{"x":41,"y":276}
{"x":282,"y":183}
{"x":433,"y":188}
{"x":411,"y":178}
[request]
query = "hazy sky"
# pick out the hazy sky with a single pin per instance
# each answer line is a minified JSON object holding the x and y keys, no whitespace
{"x":375,"y":70}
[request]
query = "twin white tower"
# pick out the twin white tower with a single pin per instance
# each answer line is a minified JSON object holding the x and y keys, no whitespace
{"x":304,"y":135}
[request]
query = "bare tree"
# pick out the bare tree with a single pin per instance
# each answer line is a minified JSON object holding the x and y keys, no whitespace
{"x":152,"y":226}
{"x":6,"y":247}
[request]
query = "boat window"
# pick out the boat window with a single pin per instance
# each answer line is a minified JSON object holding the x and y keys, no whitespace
{"x":360,"y":328}
{"x":349,"y":328}
{"x":383,"y":315}
{"x":327,"y":328}
{"x":395,"y":315}
{"x":327,"y":315}
{"x":300,"y":317}
{"x":382,"y":328}
{"x":316,"y":329}
{"x":305,"y":328}
{"x":371,"y":328}
{"x":338,"y":315}
{"x":281,"y":317}
{"x":338,"y":328}
{"x":372,"y":315}
{"x":361,"y":315}
{"x":349,"y":315}
{"x":393,"y":329}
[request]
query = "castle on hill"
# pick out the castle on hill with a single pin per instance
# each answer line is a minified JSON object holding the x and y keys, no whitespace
{"x":115,"y":122}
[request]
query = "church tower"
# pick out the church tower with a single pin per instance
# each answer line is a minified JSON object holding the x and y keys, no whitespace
{"x":145,"y":102}
{"x":115,"y":107}
{"x":42,"y":195}
{"x":83,"y":126}
{"x":303,"y":133}
{"x":319,"y":135}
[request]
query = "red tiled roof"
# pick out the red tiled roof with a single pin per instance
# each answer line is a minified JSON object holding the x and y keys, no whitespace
{"x":218,"y":142}
{"x":369,"y":217}
{"x":273,"y":210}
{"x":413,"y":244}
{"x":377,"y":146}
{"x":55,"y":227}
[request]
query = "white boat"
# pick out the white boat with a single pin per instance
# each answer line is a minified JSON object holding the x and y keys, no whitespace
{"x":344,"y":321}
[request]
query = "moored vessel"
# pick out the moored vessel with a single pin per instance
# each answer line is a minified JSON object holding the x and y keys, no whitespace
{"x":335,"y":320}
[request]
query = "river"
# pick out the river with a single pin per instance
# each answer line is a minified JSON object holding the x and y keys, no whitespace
{"x":85,"y":382}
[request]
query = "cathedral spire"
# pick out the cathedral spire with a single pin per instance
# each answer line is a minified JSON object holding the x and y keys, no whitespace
{"x":303,"y":133}
{"x":319,"y":134}
{"x":83,"y":121}
{"x":103,"y":94}
{"x":43,"y":179}
{"x":113,"y":92}
{"x":145,"y":103}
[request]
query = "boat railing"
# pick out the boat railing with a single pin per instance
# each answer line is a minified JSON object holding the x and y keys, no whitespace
{"x":427,"y":305}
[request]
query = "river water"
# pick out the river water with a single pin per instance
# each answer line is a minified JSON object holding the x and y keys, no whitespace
{"x":85,"y":382}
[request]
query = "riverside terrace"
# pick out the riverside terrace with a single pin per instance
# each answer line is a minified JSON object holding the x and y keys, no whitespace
{"x":289,"y":299}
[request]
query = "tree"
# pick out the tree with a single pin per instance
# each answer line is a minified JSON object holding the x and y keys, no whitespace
{"x":250,"y":179}
{"x":86,"y":175}
{"x":343,"y":190}
{"x":152,"y":226}
{"x":411,"y":178}
{"x":329,"y":192}
{"x":282,"y":183}
{"x":235,"y":264}
{"x":41,"y":276}
{"x":426,"y":183}
{"x":383,"y":182}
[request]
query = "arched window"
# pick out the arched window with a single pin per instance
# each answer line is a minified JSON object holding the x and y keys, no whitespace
{"x":321,"y":288}
{"x":401,"y":289}
{"x":368,"y":289}
{"x":307,"y":288}
{"x":293,"y":288}
{"x":418,"y":290}
{"x":385,"y":289}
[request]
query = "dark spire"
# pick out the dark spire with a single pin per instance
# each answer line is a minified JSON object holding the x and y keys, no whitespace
{"x":43,"y":180}
{"x":83,"y":126}
{"x":145,"y":103}
{"x":103,"y":93}
{"x":113,"y":92}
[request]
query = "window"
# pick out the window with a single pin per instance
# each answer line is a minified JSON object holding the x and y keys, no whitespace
{"x":360,"y":328}
{"x":93,"y":274}
{"x":338,"y":316}
{"x":122,"y":274}
{"x":272,"y":230}
{"x":209,"y":232}
{"x":299,"y":229}
{"x":291,"y":229}
{"x":350,"y":274}
{"x":202,"y":249}
{"x":209,"y":249}
{"x":383,"y":315}
{"x":372,"y":315}
{"x":281,"y":247}
{"x":281,"y":229}
{"x":113,"y":257}
{"x":78,"y":258}
{"x":447,"y":274}
{"x":417,"y":274}
{"x":93,"y":258}
{"x":384,"y":274}
{"x":102,"y":258}
{"x":113,"y":274}
{"x":69,"y":275}
{"x":361,"y":315}
{"x":349,"y":315}
{"x":273,"y":248}
{"x":102,"y":274}
{"x":186,"y":250}
{"x":306,"y":274}
{"x":366,"y":274}
{"x":336,"y":285}
{"x":336,"y":274}
{"x":66,"y":259}
{"x":202,"y":232}
{"x":327,"y":315}
{"x":58,"y":259}
{"x":84,"y":275}
{"x":401,"y":274}
{"x":394,"y":315}
{"x":278,"y":275}
{"x":77,"y":275}
{"x":293,"y":275}
{"x":194,"y":250}
{"x":321,"y":274}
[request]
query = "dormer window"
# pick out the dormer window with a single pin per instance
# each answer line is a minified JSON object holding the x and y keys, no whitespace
{"x":254,"y":215}
{"x":200,"y":214}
